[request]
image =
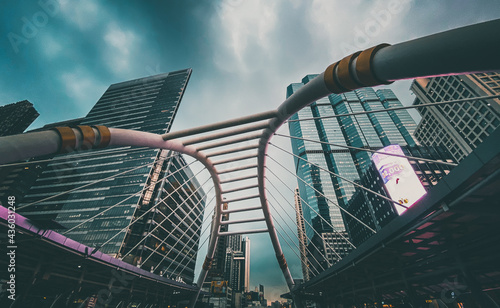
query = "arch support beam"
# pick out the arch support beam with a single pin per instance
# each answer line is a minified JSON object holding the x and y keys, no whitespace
{"x":463,"y":50}
{"x":379,"y":65}
{"x":65,"y":139}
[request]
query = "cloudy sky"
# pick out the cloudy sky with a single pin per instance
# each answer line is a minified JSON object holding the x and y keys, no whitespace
{"x":63,"y":55}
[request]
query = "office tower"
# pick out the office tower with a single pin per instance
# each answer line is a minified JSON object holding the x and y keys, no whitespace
{"x":218,"y":268}
{"x":16,"y":117}
{"x":173,"y":229}
{"x":237,"y":264}
{"x":246,"y":254}
{"x":322,"y":194}
{"x":377,"y":212}
{"x":460,"y":127}
{"x":124,"y":183}
{"x":262,"y":299}
{"x":232,"y":271}
{"x":231,"y":260}
{"x":18,"y":180}
{"x":301,"y":231}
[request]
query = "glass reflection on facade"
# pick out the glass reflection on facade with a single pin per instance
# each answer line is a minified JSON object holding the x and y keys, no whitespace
{"x":130,"y":178}
{"x":14,"y":119}
{"x":324,"y":193}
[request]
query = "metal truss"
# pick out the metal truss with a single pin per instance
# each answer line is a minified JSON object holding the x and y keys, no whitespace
{"x":464,"y":50}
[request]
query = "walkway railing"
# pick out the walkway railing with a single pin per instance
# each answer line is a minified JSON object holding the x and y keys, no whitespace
{"x":235,"y":152}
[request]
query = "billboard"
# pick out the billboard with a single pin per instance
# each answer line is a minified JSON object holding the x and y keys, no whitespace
{"x":399,"y":178}
{"x":252,"y":296}
{"x":218,"y":287}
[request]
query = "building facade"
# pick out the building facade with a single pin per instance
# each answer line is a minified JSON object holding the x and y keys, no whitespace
{"x":14,"y":119}
{"x":321,"y":136}
{"x":301,"y":231}
{"x":237,"y":265}
{"x":377,"y":212}
{"x":218,"y":269}
{"x":459,"y":127}
{"x":233,"y":267}
{"x":17,"y":117}
{"x":128,"y":185}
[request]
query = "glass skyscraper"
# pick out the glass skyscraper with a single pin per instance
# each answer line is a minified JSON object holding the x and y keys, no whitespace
{"x":322,"y":193}
{"x":237,"y":265}
{"x":301,"y":231}
{"x":130,"y":182}
{"x":14,"y":119}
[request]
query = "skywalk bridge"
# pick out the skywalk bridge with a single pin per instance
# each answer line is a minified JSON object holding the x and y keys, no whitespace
{"x":235,"y":154}
{"x":445,"y":248}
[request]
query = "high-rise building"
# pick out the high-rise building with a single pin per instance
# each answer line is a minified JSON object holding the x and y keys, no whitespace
{"x":128,"y":185}
{"x":231,"y":260}
{"x":17,"y":180}
{"x":237,"y":264}
{"x":233,"y":267}
{"x":376,"y":212}
{"x":263,"y":301}
{"x":217,"y":271}
{"x":301,"y":231}
{"x":246,"y":269}
{"x":16,"y":117}
{"x":460,"y":127}
{"x":322,"y":142}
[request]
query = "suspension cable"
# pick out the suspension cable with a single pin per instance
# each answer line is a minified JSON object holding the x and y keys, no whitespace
{"x":166,"y":217}
{"x":157,"y":226}
{"x":189,"y":238}
{"x":338,"y":206}
{"x":150,"y":209}
{"x":310,"y":207}
{"x":286,"y":241}
{"x":185,"y":255}
{"x":311,"y":267}
{"x":399,"y":108}
{"x":369,"y":150}
{"x":129,"y":197}
{"x":289,"y":228}
{"x":190,"y":259}
{"x":91,"y":183}
{"x":75,"y":156}
{"x":302,"y":216}
{"x":201,"y":245}
{"x":307,"y":238}
{"x":181,"y":221}
{"x":343,"y":178}
{"x":205,"y":219}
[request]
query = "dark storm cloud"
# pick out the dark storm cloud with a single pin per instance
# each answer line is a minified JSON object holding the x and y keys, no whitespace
{"x":65,"y":54}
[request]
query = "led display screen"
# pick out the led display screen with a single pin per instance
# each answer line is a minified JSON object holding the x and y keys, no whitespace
{"x":399,"y":178}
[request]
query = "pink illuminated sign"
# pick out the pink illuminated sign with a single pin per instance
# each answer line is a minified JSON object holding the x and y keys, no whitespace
{"x":399,"y":178}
